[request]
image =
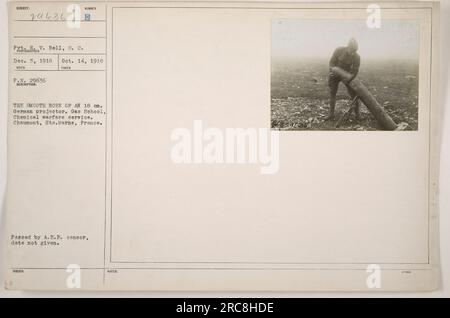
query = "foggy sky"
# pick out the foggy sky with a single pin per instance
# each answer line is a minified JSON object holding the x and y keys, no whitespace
{"x":396,"y":39}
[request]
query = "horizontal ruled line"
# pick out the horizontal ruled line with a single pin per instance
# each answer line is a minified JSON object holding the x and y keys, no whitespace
{"x":65,"y":53}
{"x":60,"y":20}
{"x":60,"y":70}
{"x":57,"y":37}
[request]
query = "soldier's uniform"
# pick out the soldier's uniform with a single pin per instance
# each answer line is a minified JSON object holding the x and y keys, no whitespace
{"x":349,"y":62}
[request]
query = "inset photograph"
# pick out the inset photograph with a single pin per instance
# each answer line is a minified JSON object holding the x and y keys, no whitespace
{"x":344,"y":75}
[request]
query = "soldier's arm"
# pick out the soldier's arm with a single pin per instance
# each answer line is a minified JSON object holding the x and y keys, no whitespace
{"x":334,"y":58}
{"x":355,"y":67}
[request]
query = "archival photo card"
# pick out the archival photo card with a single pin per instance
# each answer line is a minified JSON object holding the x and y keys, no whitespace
{"x":223,"y":146}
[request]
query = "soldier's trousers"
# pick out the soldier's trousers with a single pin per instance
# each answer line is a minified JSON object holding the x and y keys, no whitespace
{"x":333,"y":83}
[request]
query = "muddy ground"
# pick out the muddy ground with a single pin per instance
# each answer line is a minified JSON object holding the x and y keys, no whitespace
{"x":300,"y":95}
